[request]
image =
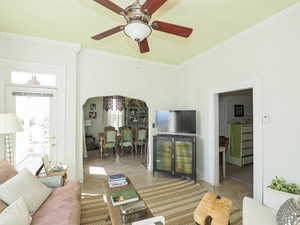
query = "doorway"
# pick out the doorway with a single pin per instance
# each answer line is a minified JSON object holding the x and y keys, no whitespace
{"x":37,"y":108}
{"x":236,"y":137}
{"x":255,"y":85}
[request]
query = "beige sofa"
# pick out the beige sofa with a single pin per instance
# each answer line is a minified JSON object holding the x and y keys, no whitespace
{"x":62,"y":207}
{"x":255,"y":213}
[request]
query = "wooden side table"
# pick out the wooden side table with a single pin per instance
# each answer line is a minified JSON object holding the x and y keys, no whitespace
{"x":63,"y":173}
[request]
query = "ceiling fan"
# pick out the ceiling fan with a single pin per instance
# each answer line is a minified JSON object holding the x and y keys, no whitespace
{"x":138,"y":17}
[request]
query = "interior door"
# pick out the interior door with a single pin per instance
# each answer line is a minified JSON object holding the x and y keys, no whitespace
{"x":37,"y":108}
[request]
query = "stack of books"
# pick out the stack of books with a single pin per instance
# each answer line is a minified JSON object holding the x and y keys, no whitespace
{"x":117,"y":180}
{"x":133,"y":211}
{"x":57,"y":168}
{"x":124,"y":196}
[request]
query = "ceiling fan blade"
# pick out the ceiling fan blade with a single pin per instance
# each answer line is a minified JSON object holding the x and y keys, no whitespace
{"x":172,"y":28}
{"x":112,"y":6}
{"x":144,"y":46}
{"x":108,"y":33}
{"x":152,"y":5}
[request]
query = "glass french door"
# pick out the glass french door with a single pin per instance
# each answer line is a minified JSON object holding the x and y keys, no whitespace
{"x":36,"y":107}
{"x":184,"y":156}
{"x":163,"y":153}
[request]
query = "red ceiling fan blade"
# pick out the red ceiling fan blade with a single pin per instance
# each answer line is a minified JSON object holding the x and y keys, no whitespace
{"x":172,"y":28}
{"x":144,"y":46}
{"x":112,"y":6}
{"x":108,"y":33}
{"x":152,"y":5}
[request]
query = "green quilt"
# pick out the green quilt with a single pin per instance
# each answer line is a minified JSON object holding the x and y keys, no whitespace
{"x":235,"y":140}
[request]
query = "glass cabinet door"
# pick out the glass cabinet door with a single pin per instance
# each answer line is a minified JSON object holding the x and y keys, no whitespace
{"x":184,"y":156}
{"x":164,"y":154}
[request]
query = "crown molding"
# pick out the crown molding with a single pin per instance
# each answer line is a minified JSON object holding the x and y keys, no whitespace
{"x":75,"y":47}
{"x":137,"y":60}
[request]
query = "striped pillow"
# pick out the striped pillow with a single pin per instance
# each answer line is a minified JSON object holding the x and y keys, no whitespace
{"x":289,"y":213}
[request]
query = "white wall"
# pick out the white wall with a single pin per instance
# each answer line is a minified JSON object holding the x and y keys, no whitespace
{"x":98,"y":123}
{"x":269,"y":53}
{"x":105,"y":75}
{"x":226,"y":111}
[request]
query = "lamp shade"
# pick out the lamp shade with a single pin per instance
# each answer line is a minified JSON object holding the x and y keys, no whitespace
{"x":9,"y":123}
{"x":137,"y":30}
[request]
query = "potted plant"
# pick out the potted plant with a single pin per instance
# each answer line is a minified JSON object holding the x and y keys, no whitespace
{"x":279,"y":191}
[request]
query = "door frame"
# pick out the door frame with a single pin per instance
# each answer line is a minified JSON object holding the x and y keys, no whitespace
{"x":60,"y":71}
{"x":11,"y":107}
{"x":258,"y":155}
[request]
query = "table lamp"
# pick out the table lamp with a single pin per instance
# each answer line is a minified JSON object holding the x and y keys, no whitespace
{"x":9,"y":124}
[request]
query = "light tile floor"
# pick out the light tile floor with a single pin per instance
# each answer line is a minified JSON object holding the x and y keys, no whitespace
{"x":96,"y":169}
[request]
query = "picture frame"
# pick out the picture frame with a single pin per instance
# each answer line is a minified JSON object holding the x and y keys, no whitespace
{"x":95,"y":115}
{"x":92,"y":115}
{"x":93,"y":107}
{"x":239,"y":110}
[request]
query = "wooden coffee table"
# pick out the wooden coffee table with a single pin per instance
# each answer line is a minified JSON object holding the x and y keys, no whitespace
{"x":114,"y":211}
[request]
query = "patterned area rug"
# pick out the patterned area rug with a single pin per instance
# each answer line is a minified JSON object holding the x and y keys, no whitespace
{"x":176,"y":200}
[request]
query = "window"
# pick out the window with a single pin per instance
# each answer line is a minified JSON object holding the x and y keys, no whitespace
{"x":20,"y":77}
{"x":33,"y":78}
{"x":115,"y":117}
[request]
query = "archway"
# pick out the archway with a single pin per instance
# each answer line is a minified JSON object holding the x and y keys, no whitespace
{"x":118,"y":113}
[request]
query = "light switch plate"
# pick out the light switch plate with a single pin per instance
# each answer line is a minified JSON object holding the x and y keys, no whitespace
{"x":266,"y":118}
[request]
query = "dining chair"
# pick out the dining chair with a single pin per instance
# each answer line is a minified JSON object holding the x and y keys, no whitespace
{"x":223,"y":147}
{"x":126,"y":138}
{"x":110,"y":139}
{"x":141,"y":140}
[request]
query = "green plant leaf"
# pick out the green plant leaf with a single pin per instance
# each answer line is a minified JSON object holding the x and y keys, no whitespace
{"x":280,"y":184}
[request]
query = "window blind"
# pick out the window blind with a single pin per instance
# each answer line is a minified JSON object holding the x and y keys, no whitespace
{"x":32,"y":94}
{"x":115,"y":118}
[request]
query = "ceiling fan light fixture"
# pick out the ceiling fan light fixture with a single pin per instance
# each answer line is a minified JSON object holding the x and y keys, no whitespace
{"x":138,"y":16}
{"x":137,"y":30}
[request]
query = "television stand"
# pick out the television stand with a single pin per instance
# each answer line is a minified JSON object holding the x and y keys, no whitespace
{"x":175,"y":154}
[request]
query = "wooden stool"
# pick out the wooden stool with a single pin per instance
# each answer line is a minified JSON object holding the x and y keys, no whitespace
{"x":213,"y":210}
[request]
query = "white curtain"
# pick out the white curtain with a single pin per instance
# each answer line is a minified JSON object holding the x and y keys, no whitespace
{"x":2,"y":147}
{"x":85,"y":154}
{"x":114,"y":111}
{"x":114,"y":118}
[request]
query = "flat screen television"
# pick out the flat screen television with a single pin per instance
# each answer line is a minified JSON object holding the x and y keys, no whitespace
{"x":176,"y":121}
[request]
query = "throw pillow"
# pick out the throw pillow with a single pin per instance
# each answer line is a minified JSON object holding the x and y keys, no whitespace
{"x":25,"y":185}
{"x":289,"y":212}
{"x":16,"y":214}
